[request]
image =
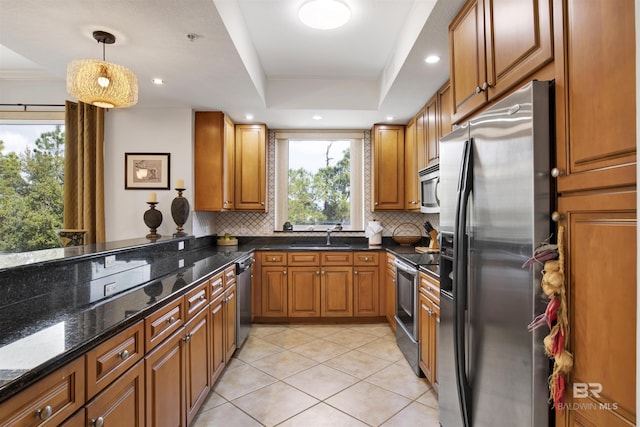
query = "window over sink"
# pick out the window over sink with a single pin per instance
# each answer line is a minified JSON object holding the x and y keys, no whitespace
{"x":319,"y":180}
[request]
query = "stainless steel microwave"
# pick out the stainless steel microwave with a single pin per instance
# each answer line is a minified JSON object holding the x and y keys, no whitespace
{"x":429,"y":189}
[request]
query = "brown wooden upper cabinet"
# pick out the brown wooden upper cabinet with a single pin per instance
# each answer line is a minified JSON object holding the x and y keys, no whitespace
{"x":213,"y":149}
{"x":251,"y":168}
{"x":387,"y":181}
{"x":411,"y":154}
{"x":595,"y":94}
{"x":493,"y":46}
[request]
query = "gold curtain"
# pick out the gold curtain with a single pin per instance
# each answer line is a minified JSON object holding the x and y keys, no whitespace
{"x":84,"y":170}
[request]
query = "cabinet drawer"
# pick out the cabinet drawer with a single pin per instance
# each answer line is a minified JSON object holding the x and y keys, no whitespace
{"x":303,"y":258}
{"x":391,"y":261}
{"x":365,"y":258}
{"x":274,"y":258}
{"x":336,"y":258}
{"x":196,"y":299}
{"x":216,"y":285}
{"x":51,"y":399}
{"x":229,"y":276}
{"x":163,"y":323}
{"x":109,"y":360}
{"x":429,"y":287}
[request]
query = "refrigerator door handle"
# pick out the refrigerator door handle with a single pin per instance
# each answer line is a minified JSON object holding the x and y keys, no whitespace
{"x":460,"y":266}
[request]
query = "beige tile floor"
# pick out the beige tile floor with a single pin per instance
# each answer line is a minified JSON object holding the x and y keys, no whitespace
{"x":320,"y":375}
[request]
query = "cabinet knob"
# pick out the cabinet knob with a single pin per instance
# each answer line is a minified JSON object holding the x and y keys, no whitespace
{"x":555,"y":172}
{"x":355,"y":272}
{"x":318,"y":272}
{"x":124,"y":354}
{"x":273,"y":259}
{"x":366,"y":259}
{"x":479,"y":89}
{"x":171,"y":320}
{"x":376,"y":203}
{"x":44,"y":413}
{"x":98,"y":422}
{"x":284,"y":272}
{"x":202,"y":298}
{"x":187,"y":337}
{"x":556,"y":216}
{"x":485,"y":86}
{"x":262,"y":203}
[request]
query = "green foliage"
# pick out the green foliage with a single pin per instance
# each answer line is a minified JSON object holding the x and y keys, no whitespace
{"x":323,"y":197}
{"x":31,"y":194}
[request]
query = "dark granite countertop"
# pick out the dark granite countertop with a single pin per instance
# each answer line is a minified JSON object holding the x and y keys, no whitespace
{"x":53,"y":310}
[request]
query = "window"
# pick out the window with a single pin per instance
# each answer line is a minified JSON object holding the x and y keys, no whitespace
{"x":319,"y":181}
{"x":31,"y":182}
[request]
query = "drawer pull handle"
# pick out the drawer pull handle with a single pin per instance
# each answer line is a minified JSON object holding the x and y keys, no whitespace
{"x":44,"y":413}
{"x":124,"y":354}
{"x":99,"y":422}
{"x":171,"y":320}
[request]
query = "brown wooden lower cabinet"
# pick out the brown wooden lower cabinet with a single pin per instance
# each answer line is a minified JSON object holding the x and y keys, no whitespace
{"x":165,"y":383}
{"x":274,"y":291}
{"x":365,"y":291}
{"x":229,"y":310}
{"x":122,"y":403}
{"x":336,"y":292}
{"x":217,"y":338}
{"x":390,"y":290}
{"x":197,"y":362}
{"x":601,"y":268}
{"x":304,"y":291}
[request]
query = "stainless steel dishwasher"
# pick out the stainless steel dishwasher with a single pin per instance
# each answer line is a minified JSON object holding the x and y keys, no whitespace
{"x":243,"y":288}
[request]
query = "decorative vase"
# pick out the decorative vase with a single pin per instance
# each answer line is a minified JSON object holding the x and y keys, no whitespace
{"x":153,"y":219}
{"x":180,"y":212}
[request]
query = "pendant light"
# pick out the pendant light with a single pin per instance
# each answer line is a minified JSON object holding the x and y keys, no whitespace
{"x":102,"y":83}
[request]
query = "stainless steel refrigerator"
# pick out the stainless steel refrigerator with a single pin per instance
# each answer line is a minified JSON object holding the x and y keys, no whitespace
{"x":495,"y":204}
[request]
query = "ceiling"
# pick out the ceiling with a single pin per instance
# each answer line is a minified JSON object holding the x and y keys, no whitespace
{"x":244,"y":56}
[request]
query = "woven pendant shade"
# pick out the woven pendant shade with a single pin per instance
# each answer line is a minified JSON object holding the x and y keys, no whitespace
{"x":102,"y":83}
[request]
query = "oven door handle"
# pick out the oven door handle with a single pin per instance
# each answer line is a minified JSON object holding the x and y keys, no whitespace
{"x":406,"y":268}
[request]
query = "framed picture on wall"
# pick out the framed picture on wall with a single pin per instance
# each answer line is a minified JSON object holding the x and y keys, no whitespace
{"x":147,"y":171}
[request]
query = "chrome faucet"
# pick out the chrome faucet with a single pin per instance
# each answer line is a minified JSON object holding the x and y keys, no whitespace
{"x":328,"y":237}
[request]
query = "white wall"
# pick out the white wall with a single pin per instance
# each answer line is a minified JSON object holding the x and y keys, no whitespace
{"x":158,"y":130}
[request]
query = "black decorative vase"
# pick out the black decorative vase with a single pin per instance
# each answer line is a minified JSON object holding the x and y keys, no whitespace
{"x":180,"y":212}
{"x":153,"y":219}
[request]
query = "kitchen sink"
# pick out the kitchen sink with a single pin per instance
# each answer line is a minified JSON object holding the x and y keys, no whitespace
{"x":317,"y":246}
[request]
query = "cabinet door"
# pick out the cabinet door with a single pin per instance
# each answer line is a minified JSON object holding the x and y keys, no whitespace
{"x":165,"y":383}
{"x":197,"y":362}
{"x":274,"y":291}
{"x":596,"y":95}
{"x":304,"y":291}
{"x":229,"y":159}
{"x":431,"y":120}
{"x":217,"y":339}
{"x":50,"y":400}
{"x":421,"y":139}
{"x":412,"y":196}
{"x":365,"y":291}
{"x":425,"y":316}
{"x":390,"y":289}
{"x":444,"y":112}
{"x":388,"y":168}
{"x":122,"y":403}
{"x":250,"y":168}
{"x":336,"y":292}
{"x":601,"y":256}
{"x":513,"y":55}
{"x":467,"y":60}
{"x":208,"y":166}
{"x":229,"y":312}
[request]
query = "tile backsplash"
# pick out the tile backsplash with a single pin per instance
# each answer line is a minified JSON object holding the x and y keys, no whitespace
{"x":263,"y":223}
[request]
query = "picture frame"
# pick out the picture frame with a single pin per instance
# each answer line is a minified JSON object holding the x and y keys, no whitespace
{"x":147,"y":171}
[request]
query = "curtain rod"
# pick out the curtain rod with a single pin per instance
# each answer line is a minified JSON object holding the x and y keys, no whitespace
{"x":25,"y":106}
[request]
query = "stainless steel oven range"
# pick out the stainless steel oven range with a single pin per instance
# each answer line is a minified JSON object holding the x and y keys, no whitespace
{"x":407,"y":313}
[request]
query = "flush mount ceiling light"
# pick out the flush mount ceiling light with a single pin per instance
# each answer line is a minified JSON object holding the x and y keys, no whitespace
{"x":324,"y":14}
{"x":432,"y":59}
{"x":101,"y":83}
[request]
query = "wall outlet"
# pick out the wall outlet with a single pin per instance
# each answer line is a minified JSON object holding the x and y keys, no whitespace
{"x":109,"y":261}
{"x":180,"y":263}
{"x":180,"y":246}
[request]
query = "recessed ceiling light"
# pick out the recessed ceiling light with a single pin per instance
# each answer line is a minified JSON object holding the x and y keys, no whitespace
{"x":432,"y":59}
{"x":248,"y":116}
{"x":324,"y":14}
{"x":157,"y":81}
{"x":389,"y":118}
{"x":317,"y":117}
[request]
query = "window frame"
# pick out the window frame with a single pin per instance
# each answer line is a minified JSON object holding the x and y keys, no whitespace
{"x":356,"y":176}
